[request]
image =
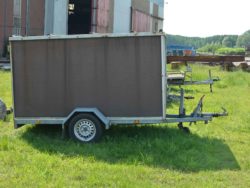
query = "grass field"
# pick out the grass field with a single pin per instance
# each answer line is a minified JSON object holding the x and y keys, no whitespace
{"x":213,"y":155}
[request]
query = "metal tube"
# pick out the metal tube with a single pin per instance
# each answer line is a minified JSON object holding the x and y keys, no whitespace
{"x":181,"y":108}
{"x":211,"y":84}
{"x":164,"y":76}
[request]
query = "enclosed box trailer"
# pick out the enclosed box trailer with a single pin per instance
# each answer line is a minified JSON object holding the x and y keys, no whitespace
{"x":88,"y":82}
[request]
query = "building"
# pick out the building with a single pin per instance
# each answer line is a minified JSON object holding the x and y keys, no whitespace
{"x":39,"y":17}
{"x":180,"y":50}
{"x":20,"y":17}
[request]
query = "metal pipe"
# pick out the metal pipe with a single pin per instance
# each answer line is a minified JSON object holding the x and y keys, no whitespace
{"x":181,"y":108}
{"x":211,"y":84}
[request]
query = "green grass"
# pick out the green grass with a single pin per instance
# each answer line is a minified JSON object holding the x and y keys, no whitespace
{"x":214,"y":155}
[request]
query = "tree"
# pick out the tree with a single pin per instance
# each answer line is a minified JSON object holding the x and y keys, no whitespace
{"x":229,"y":41}
{"x":244,"y":39}
{"x":199,"y":42}
{"x":211,"y":48}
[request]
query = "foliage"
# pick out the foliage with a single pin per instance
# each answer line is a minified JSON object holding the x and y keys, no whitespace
{"x":209,"y":44}
{"x":229,"y":41}
{"x":210,"y":48}
{"x":231,"y":51}
{"x":244,"y":39}
{"x":214,"y":155}
{"x":198,"y":42}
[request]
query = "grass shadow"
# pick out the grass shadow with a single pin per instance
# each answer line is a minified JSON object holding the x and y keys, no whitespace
{"x":155,"y":146}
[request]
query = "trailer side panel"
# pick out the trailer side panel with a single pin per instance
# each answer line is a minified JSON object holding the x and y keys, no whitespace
{"x":119,"y":76}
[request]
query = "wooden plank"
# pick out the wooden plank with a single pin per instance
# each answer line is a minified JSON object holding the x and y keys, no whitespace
{"x":219,"y":59}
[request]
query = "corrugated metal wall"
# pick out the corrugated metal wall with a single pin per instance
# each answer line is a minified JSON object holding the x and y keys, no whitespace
{"x":155,"y":25}
{"x":2,"y":27}
{"x":40,"y":17}
{"x":21,"y":17}
{"x":140,"y":16}
{"x":36,"y":17}
{"x":103,"y":8}
{"x":160,"y":14}
{"x":31,"y":13}
{"x":140,"y":21}
{"x":24,"y":11}
{"x":6,"y":22}
{"x":147,"y":15}
{"x":142,"y":5}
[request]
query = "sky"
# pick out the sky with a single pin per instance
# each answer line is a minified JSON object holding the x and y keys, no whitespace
{"x":204,"y":18}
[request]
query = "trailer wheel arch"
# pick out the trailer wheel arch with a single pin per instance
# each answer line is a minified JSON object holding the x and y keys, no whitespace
{"x":91,"y":111}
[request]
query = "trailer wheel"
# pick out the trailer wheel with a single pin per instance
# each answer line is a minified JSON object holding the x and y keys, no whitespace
{"x":3,"y":110}
{"x":85,"y":128}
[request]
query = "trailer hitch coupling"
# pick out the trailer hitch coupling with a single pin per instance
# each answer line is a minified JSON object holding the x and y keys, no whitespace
{"x":223,"y":113}
{"x":198,"y":111}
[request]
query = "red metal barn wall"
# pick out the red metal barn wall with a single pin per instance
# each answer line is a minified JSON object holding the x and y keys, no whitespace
{"x":105,"y":16}
{"x":6,"y":22}
{"x":144,"y":16}
{"x":140,"y":16}
{"x":102,"y":16}
{"x":32,"y":15}
{"x":32,"y":19}
{"x":23,"y":17}
{"x":154,"y":18}
{"x":141,"y":21}
{"x":36,"y":17}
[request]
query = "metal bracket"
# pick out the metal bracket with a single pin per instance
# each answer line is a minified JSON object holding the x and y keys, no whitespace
{"x":182,"y":110}
{"x":199,"y":108}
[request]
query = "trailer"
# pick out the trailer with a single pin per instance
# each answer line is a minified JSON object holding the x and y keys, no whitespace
{"x":87,"y":83}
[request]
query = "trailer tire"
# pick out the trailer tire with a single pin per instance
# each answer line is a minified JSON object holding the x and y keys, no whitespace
{"x":85,"y":128}
{"x":3,"y":110}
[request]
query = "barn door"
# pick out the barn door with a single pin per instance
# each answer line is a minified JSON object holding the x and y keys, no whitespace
{"x":79,"y":16}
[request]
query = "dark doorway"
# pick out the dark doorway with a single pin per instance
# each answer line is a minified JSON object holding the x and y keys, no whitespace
{"x":79,"y":20}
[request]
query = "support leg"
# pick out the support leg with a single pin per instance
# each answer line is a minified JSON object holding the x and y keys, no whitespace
{"x":64,"y":132}
{"x":211,"y":85}
{"x":184,"y":129}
